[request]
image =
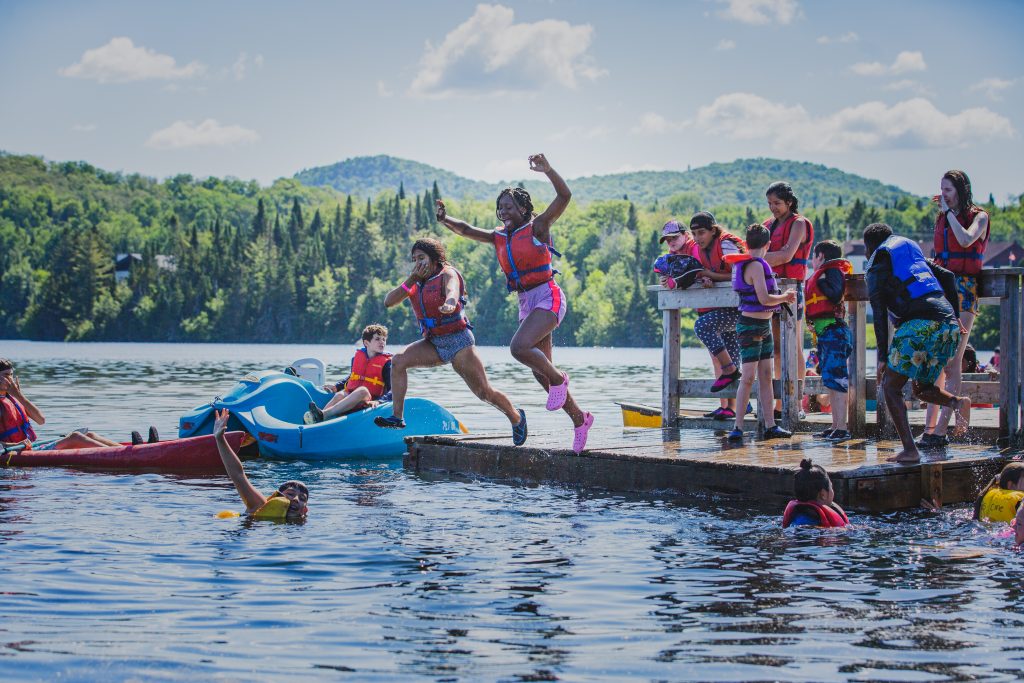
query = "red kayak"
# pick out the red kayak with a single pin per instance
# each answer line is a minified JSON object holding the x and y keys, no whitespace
{"x":177,"y":455}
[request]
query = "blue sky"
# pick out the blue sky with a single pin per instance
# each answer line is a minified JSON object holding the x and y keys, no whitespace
{"x":899,"y":91}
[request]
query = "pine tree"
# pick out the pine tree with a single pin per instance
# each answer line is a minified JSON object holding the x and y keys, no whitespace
{"x":401,"y":190}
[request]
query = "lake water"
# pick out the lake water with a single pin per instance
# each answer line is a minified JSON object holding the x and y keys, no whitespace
{"x":394,"y":576}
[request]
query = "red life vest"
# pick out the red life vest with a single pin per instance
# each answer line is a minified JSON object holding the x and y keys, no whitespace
{"x":818,"y":305}
{"x":427,"y":299}
{"x":14,"y":423}
{"x":797,"y":266}
{"x":712,"y":259}
{"x":831,"y":516}
{"x":525,"y":260}
{"x":368,"y":372}
{"x":948,"y":252}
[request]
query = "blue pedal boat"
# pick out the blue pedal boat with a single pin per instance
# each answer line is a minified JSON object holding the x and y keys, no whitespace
{"x":269,"y":406}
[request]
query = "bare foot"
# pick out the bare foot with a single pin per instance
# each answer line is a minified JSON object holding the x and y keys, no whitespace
{"x":906,"y":457}
{"x":961,"y":404}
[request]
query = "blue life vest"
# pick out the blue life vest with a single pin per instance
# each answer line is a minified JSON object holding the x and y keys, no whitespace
{"x":910,"y":267}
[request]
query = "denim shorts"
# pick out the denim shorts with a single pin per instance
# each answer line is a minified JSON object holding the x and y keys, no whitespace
{"x":448,"y":345}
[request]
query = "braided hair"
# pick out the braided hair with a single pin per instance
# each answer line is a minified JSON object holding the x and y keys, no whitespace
{"x":521,"y":198}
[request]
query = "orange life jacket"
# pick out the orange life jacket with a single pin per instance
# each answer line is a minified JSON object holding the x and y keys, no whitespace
{"x":797,"y":266}
{"x":368,"y":372}
{"x":829,"y":515}
{"x":14,"y":423}
{"x":948,"y":252}
{"x":712,"y":259}
{"x":818,"y":305}
{"x":524,"y":259}
{"x":427,"y":299}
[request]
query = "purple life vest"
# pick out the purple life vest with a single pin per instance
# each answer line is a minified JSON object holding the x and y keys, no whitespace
{"x":748,"y":295}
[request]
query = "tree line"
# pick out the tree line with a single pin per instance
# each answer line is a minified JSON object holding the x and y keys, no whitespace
{"x":228,"y":260}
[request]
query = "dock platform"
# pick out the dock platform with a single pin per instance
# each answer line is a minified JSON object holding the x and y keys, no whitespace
{"x":702,"y":462}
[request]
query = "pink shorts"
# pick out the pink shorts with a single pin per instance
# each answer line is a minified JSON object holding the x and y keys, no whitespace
{"x":546,"y":297}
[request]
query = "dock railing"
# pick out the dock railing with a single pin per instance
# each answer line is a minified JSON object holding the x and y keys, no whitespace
{"x":997,"y":286}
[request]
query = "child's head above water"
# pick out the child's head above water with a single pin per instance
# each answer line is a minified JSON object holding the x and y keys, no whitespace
{"x":810,"y":481}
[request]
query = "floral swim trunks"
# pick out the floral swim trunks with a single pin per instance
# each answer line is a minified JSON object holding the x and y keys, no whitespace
{"x":967,"y":291}
{"x":920,"y":349}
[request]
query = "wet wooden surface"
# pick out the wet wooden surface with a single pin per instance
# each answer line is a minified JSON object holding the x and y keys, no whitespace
{"x":703,"y":461}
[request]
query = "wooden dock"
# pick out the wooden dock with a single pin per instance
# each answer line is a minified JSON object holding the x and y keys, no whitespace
{"x":704,"y":463}
{"x":686,"y":455}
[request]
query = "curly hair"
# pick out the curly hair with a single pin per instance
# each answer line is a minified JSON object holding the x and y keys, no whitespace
{"x":521,"y":198}
{"x":370,"y":330}
{"x":962,"y":185}
{"x":432,"y":248}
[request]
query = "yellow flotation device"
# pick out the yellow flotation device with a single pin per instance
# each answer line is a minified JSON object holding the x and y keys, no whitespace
{"x":227,"y":514}
{"x":1000,"y":505}
{"x":276,"y":507}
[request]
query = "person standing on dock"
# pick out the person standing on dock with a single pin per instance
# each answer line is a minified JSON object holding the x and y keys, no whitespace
{"x":716,"y":327}
{"x":437,"y":293}
{"x":754,"y":281}
{"x":921,"y":299}
{"x":523,"y":247}
{"x":961,"y":234}
{"x":789,"y":253}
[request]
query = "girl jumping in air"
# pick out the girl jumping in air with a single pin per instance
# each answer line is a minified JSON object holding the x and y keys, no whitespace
{"x":522,"y":245}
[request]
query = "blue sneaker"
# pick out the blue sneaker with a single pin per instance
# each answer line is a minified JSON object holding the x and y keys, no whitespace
{"x":519,"y":430}
{"x":390,"y":422}
{"x":736,"y":435}
{"x":777,"y":432}
{"x":750,"y":409}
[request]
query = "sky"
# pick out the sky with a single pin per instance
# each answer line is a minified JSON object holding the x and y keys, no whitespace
{"x":898,"y":91}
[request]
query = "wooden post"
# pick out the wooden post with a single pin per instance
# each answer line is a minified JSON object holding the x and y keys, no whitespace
{"x":931,"y":483}
{"x":856,"y":412}
{"x":670,"y":369}
{"x":788,"y":347}
{"x":1010,"y":362}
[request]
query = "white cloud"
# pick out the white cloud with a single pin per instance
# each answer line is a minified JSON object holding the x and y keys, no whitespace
{"x":84,"y":127}
{"x":992,"y":87}
{"x":580,"y":133}
{"x":489,"y":53}
{"x":725,"y":44}
{"x":507,"y":169}
{"x":121,"y":61}
{"x":383,"y":90}
{"x":656,"y":124}
{"x":209,"y":133}
{"x":910,"y":85}
{"x":241,"y":65}
{"x":913,"y":123}
{"x":849,"y":37}
{"x":905,"y":62}
{"x":760,"y":11}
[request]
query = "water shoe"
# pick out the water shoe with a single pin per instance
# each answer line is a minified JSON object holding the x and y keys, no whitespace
{"x":519,"y":430}
{"x":136,"y":439}
{"x":557,"y":393}
{"x":823,"y":434}
{"x":721,"y":414}
{"x":154,"y":436}
{"x":390,"y":422}
{"x":724,"y":381}
{"x":777,"y":432}
{"x":579,"y":439}
{"x":736,"y":435}
{"x":840,"y":435}
{"x":315,"y":413}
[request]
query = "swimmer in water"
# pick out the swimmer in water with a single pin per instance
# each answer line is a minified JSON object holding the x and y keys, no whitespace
{"x":259,"y":506}
{"x":814,"y":502}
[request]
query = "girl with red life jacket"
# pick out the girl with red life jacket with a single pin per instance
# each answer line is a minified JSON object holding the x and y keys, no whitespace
{"x":814,"y":500}
{"x":961,"y":234}
{"x":368,"y":382}
{"x":438,"y":295}
{"x":789,"y":254}
{"x":17,"y":414}
{"x":522,"y":245}
{"x":716,"y":327}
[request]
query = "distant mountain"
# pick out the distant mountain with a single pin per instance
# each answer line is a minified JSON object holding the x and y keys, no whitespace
{"x":740,"y":182}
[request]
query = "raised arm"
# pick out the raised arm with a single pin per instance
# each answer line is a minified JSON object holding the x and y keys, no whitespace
{"x":461,"y":227}
{"x":542,"y":223}
{"x":967,"y":236}
{"x":12,"y":385}
{"x":797,"y":235}
{"x":252,"y":498}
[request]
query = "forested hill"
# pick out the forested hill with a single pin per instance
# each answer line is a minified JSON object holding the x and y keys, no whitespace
{"x":741,"y":182}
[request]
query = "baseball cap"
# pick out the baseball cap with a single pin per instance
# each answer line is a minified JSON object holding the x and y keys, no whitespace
{"x":705,"y":220}
{"x":671,"y":229}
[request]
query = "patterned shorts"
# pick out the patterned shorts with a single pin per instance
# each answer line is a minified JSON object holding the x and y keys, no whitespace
{"x":967,"y":289}
{"x":920,"y":349}
{"x":835,"y":344}
{"x":755,"y":337}
{"x":448,"y":345}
